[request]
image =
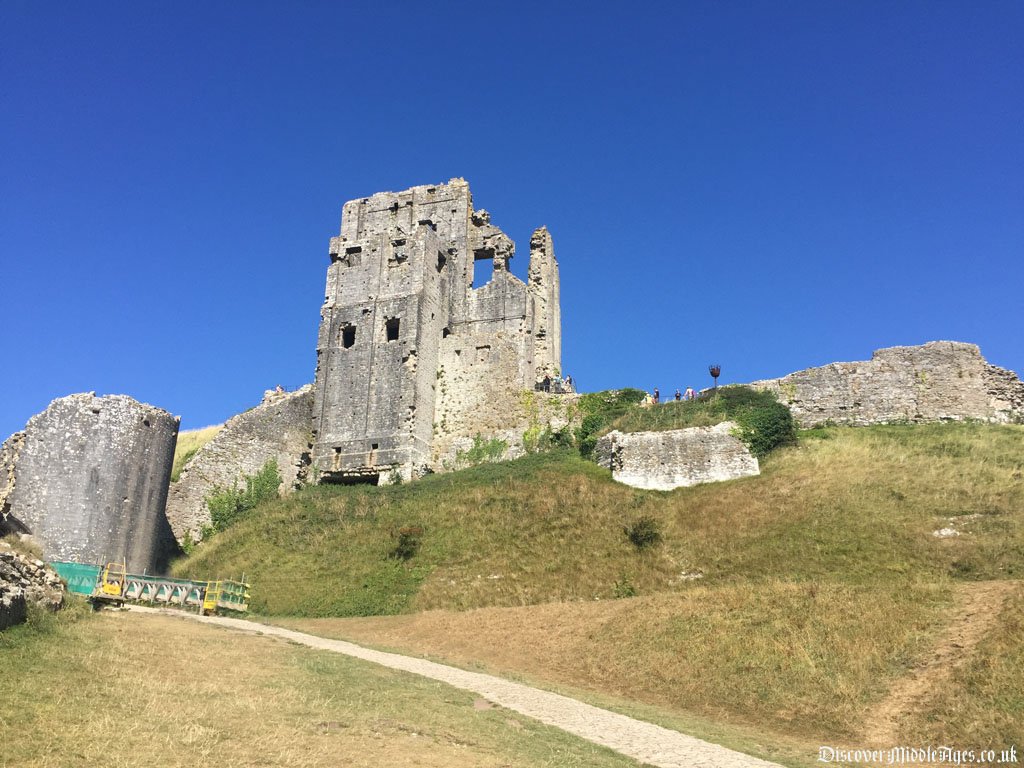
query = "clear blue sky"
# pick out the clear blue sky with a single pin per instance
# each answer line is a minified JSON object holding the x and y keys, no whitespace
{"x":768,"y":185}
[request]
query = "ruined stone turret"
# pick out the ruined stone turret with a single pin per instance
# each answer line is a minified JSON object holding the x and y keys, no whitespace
{"x":88,"y":480}
{"x":413,"y":352}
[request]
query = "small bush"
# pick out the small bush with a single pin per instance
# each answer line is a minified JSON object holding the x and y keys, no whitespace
{"x":644,"y":533}
{"x":623,"y":588}
{"x":483,"y":451}
{"x":229,"y":505}
{"x":408,"y":540}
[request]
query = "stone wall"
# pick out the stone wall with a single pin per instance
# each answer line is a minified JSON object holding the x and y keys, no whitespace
{"x":937,"y":381}
{"x":278,"y":428}
{"x":515,"y":416}
{"x":25,"y":580}
{"x":89,"y":481}
{"x":675,"y":458}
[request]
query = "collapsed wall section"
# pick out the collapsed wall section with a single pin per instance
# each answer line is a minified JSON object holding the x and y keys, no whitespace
{"x":88,"y":479}
{"x":937,"y":381}
{"x":676,"y":458}
{"x":278,"y":429}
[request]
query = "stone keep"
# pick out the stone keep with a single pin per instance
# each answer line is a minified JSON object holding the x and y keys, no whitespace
{"x":410,"y":351}
{"x":88,"y":480}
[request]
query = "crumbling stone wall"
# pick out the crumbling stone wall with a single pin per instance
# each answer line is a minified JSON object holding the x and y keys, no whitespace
{"x":25,"y":580}
{"x":88,"y":479}
{"x":516,"y":417}
{"x":675,"y":458}
{"x":937,"y":381}
{"x":402,"y":310}
{"x":278,"y":428}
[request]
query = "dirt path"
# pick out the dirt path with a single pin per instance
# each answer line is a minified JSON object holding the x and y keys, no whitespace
{"x":977,"y":610}
{"x":648,"y":743}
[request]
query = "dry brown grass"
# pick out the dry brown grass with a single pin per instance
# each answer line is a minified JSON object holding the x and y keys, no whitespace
{"x":783,"y":660}
{"x":145,"y":690}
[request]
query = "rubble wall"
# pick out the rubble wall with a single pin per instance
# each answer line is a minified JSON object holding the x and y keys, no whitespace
{"x":23,"y":581}
{"x":937,"y":381}
{"x":278,"y":428}
{"x":90,"y":478}
{"x":675,"y":458}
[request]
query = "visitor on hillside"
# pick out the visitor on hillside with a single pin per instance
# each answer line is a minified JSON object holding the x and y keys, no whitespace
{"x":568,"y":384}
{"x":690,"y":394}
{"x":648,"y":400}
{"x":546,"y":383}
{"x":657,"y":396}
{"x":678,"y":396}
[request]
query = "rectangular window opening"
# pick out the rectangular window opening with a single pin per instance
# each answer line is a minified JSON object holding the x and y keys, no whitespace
{"x":348,"y":336}
{"x":391,"y":327}
{"x":483,"y":267}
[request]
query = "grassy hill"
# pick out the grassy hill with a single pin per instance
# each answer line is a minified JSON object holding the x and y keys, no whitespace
{"x":843,"y":505}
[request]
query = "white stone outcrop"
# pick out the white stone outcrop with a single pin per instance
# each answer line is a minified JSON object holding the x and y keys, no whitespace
{"x":676,"y":458}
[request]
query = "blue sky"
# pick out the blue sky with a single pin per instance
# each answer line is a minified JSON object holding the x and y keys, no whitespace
{"x":768,"y":185}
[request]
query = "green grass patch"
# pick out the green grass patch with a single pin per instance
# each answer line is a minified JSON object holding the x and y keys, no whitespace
{"x":764,"y":423}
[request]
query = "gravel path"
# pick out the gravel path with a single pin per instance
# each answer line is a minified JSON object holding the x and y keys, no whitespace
{"x":642,"y":741}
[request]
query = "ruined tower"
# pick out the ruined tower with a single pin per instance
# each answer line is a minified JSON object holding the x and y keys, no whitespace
{"x":410,"y":348}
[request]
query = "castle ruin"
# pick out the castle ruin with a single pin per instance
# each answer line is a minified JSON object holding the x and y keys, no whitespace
{"x":412,"y":350}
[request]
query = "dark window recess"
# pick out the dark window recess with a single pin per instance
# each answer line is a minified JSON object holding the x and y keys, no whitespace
{"x":446,"y":332}
{"x":398,"y":253}
{"x":428,"y":223}
{"x":374,"y":446}
{"x":391,"y":327}
{"x":441,"y":261}
{"x":348,"y":336}
{"x":353,"y":256}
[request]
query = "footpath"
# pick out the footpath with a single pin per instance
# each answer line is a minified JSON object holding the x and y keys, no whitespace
{"x":648,"y":743}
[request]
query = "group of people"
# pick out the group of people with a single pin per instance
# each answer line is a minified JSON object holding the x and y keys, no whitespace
{"x":556,"y":384}
{"x":655,"y":398}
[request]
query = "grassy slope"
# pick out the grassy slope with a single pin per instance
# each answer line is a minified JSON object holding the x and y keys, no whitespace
{"x":143,"y":690}
{"x":847,"y":505}
{"x":822,"y":582}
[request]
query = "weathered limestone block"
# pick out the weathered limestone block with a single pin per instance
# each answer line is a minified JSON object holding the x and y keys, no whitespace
{"x":89,"y":481}
{"x":937,"y":381}
{"x":675,"y":458}
{"x":278,"y":428}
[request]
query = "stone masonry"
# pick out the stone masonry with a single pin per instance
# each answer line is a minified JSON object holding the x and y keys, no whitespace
{"x":937,"y":381}
{"x":278,"y":428}
{"x":402,"y":314}
{"x":676,"y":458}
{"x":88,"y":480}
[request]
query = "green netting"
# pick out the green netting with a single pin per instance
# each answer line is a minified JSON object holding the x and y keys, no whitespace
{"x":81,"y":578}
